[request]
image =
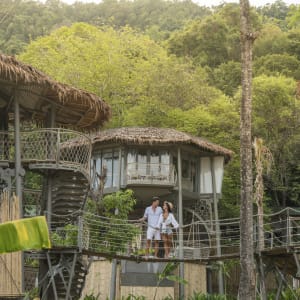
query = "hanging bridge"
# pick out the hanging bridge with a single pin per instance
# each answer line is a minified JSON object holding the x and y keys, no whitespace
{"x":126,"y":239}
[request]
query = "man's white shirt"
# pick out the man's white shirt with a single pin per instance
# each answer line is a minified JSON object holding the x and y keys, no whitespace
{"x":152,"y":216}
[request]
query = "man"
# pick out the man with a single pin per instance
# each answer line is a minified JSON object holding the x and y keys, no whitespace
{"x":152,"y":214}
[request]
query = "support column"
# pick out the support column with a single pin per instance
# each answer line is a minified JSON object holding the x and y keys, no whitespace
{"x":180,"y":219}
{"x":217,"y":225}
{"x":18,"y":168}
{"x":114,"y":266}
{"x":51,"y":122}
{"x":18,"y":165}
{"x":112,"y":292}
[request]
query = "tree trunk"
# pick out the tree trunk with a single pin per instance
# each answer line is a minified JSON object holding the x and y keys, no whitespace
{"x":263,"y":157}
{"x":247,"y":278}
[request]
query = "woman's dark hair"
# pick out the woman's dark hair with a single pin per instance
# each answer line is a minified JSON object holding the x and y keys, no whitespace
{"x":168,"y":206}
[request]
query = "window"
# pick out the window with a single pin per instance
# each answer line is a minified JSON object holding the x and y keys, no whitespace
{"x":185,"y":168}
{"x":106,"y":163}
{"x":190,"y":172}
{"x":154,"y":163}
{"x":151,"y":164}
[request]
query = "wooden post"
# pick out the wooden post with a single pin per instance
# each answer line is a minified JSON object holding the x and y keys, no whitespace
{"x":112,"y":294}
{"x":18,"y":168}
{"x":180,"y":219}
{"x":217,"y":225}
{"x":288,"y":229}
{"x":51,"y":124}
{"x":18,"y":165}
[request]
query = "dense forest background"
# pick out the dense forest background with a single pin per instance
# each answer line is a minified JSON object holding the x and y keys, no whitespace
{"x":175,"y":64}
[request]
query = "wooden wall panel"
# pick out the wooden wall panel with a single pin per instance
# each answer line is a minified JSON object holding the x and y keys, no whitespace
{"x":10,"y":263}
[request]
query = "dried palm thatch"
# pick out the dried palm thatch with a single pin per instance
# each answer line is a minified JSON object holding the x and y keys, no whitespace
{"x":158,"y":136}
{"x":37,"y":91}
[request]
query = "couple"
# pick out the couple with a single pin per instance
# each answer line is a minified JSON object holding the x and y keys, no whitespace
{"x":159,"y":222}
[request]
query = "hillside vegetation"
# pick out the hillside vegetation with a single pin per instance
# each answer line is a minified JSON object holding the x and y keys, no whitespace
{"x":175,"y":64}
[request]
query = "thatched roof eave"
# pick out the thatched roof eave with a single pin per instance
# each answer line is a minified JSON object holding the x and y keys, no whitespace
{"x":24,"y":79}
{"x":158,"y":136}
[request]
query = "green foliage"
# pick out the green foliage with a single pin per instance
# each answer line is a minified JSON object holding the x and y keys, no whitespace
{"x":179,"y":82}
{"x":32,"y":294}
{"x":293,"y":18}
{"x":277,"y":64}
{"x":276,"y":12}
{"x":23,"y":21}
{"x":116,"y":207}
{"x":293,"y":47}
{"x":66,"y":236}
{"x":133,"y":297}
{"x":201,"y":296}
{"x":275,"y":119}
{"x":205,"y":41}
{"x":131,"y":72}
{"x":123,"y":202}
{"x":271,"y":40}
{"x":31,"y":262}
{"x":168,"y":273}
{"x":286,"y":294}
{"x":227,"y":77}
{"x":91,"y":297}
{"x":213,"y":40}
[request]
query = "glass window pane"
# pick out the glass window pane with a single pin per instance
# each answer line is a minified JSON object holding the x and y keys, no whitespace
{"x":185,"y":168}
{"x":219,"y":169}
{"x":205,"y":176}
{"x":142,"y":163}
{"x":116,"y":169}
{"x":165,"y":163}
{"x":131,"y":162}
{"x":97,"y":170}
{"x":154,"y":163}
{"x":107,"y":163}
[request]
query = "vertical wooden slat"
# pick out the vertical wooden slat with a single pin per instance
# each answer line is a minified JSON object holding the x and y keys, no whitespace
{"x":10,"y":263}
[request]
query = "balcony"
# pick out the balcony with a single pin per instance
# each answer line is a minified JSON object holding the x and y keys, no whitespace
{"x":53,"y":148}
{"x":151,"y":173}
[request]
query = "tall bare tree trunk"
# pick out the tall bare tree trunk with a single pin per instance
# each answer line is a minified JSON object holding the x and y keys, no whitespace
{"x":247,"y":279}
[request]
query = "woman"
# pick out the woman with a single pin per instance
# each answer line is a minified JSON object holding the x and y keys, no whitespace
{"x":165,"y":223}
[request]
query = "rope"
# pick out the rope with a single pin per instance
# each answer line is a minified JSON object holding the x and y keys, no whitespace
{"x":119,"y":237}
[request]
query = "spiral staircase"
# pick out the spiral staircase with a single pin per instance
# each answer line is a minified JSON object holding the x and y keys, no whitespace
{"x":62,"y":157}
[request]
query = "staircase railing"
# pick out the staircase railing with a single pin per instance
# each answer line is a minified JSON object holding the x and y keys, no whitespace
{"x":50,"y":148}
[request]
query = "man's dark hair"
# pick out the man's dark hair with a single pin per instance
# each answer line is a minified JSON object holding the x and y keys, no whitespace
{"x":155,"y":198}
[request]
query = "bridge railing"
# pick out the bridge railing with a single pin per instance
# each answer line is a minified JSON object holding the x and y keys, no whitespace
{"x":118,"y":237}
{"x":280,"y":230}
{"x":49,"y":148}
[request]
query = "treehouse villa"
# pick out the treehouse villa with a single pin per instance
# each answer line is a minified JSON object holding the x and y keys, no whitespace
{"x":177,"y":167}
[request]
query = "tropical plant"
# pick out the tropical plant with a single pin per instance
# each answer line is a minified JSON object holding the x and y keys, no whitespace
{"x":31,"y":294}
{"x":133,"y":297}
{"x":91,"y":297}
{"x":168,"y":273}
{"x":201,"y":296}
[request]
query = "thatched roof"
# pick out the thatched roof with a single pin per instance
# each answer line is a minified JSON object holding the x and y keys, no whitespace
{"x":37,"y":91}
{"x":155,"y":136}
